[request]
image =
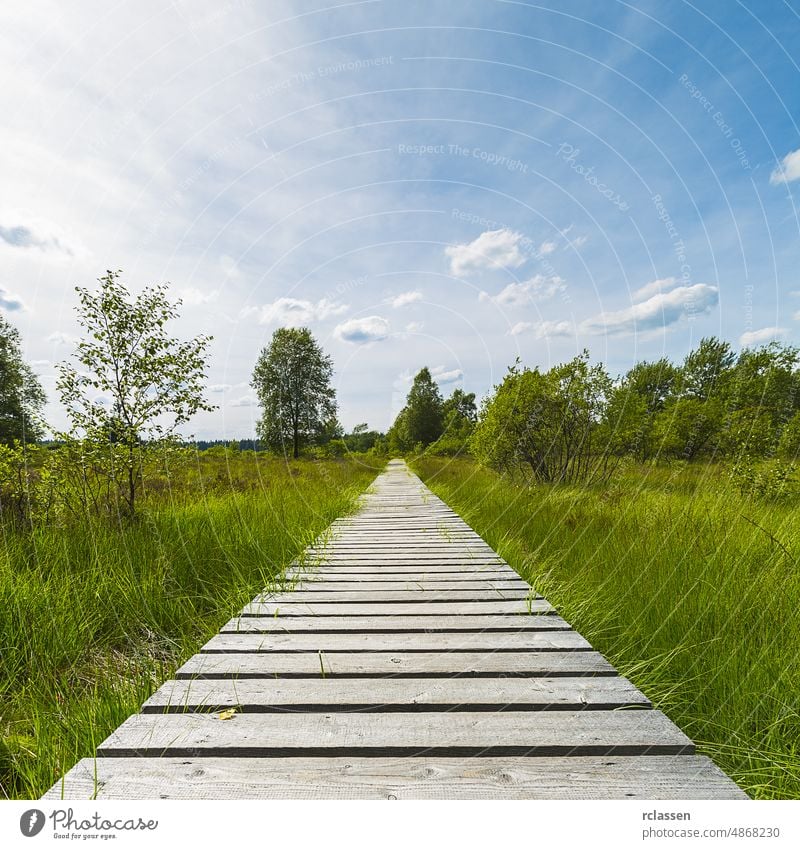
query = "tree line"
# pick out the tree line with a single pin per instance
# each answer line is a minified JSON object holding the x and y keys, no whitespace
{"x":130,"y":386}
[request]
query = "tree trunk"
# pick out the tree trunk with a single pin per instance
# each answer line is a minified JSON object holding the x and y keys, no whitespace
{"x":296,"y":451}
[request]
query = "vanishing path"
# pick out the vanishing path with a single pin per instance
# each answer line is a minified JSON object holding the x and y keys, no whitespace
{"x":406,"y":660}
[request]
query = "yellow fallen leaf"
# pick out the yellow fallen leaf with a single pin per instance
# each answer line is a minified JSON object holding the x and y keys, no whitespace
{"x":227,"y":714}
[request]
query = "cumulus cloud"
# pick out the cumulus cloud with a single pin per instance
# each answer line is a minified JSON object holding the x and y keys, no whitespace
{"x":245,"y":401}
{"x":788,"y":170}
{"x":445,"y":376}
{"x":371,"y":328}
{"x":660,"y":310}
{"x":59,"y":338}
{"x":492,"y":249}
{"x":9,"y":301}
{"x":765,"y":334}
{"x":543,"y":329}
{"x":414,"y":327}
{"x":547,"y":248}
{"x":218,"y":388}
{"x":292,"y":312}
{"x":196,"y":297}
{"x":538,"y":288}
{"x":405,"y":298}
{"x":40,"y":235}
{"x":654,"y":288}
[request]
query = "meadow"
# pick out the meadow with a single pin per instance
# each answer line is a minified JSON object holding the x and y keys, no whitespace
{"x":689,"y":586}
{"x":96,"y":613}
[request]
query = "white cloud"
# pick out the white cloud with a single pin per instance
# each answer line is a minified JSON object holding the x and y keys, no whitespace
{"x":538,"y":288}
{"x":765,"y":334}
{"x":195,"y":297}
{"x":492,"y":249}
{"x":654,"y":288}
{"x":660,"y":310}
{"x":546,"y":329}
{"x":788,"y":170}
{"x":543,"y":329}
{"x":41,"y":235}
{"x":245,"y":401}
{"x":218,"y":388}
{"x":406,"y":298}
{"x":441,"y":375}
{"x":796,"y":316}
{"x":292,"y":312}
{"x":9,"y":301}
{"x":547,"y":248}
{"x":59,"y":338}
{"x":372,"y":328}
{"x":415,"y":327}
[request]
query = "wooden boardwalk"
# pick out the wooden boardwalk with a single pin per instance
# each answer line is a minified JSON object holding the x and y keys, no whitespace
{"x":406,"y":659}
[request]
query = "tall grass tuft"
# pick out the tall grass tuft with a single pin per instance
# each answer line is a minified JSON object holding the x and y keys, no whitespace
{"x":688,"y":586}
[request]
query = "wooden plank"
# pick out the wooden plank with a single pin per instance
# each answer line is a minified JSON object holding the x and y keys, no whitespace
{"x":468,"y":573}
{"x":382,"y":597}
{"x":405,"y":694}
{"x":395,"y":664}
{"x":557,"y":734}
{"x":679,"y":777}
{"x":384,"y":587}
{"x":413,"y":608}
{"x":386,"y":624}
{"x":443,"y":641}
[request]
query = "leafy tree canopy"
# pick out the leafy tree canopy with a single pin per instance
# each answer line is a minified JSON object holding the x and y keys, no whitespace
{"x":21,"y":395}
{"x":292,"y":379}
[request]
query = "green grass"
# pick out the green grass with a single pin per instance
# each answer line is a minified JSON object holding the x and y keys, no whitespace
{"x":689,"y":588}
{"x":93,"y":616}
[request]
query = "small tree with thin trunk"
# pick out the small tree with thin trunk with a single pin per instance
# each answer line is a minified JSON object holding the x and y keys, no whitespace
{"x":134,"y":384}
{"x":292,"y":379}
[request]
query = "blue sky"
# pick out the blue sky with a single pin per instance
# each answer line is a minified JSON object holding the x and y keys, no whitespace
{"x":451,"y":184}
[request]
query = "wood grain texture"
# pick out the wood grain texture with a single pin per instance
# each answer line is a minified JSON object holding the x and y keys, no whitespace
{"x":395,"y":664}
{"x":679,"y":777}
{"x":385,"y":596}
{"x":404,"y":694}
{"x":561,"y":733}
{"x":489,"y":641}
{"x":411,"y":608}
{"x":390,"y":624}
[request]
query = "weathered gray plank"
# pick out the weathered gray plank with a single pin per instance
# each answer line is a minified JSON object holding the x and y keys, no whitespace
{"x":385,"y":624}
{"x":384,"y":596}
{"x":682,"y":777}
{"x":443,"y":641}
{"x":411,"y":608}
{"x":561,"y":733}
{"x":423,"y":585}
{"x":395,"y":664}
{"x":406,"y":694}
{"x":434,"y":571}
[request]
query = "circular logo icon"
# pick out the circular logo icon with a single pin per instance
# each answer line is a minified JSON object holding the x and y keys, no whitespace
{"x":31,"y":822}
